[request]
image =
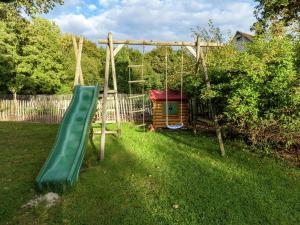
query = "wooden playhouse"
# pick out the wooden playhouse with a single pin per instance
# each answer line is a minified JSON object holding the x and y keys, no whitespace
{"x":176,"y":112}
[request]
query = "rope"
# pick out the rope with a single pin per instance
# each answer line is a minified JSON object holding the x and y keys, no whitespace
{"x":166,"y":80}
{"x":177,"y":126}
{"x":143,"y":87}
{"x":181,"y":87}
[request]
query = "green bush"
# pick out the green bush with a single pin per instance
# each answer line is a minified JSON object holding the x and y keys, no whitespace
{"x":258,"y":90}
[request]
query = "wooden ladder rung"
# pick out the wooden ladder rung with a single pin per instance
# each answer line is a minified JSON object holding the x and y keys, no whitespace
{"x":106,"y":132}
{"x":134,"y":66}
{"x":107,"y":121}
{"x":136,"y":96}
{"x":141,"y":125}
{"x":111,"y":92}
{"x":137,"y":111}
{"x":136,"y":81}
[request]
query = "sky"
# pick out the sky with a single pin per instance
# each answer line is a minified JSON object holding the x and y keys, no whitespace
{"x":165,"y":20}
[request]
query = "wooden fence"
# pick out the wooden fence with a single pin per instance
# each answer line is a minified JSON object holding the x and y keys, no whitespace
{"x":50,"y":109}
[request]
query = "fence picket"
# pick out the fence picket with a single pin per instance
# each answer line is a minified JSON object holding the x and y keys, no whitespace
{"x":50,"y":109}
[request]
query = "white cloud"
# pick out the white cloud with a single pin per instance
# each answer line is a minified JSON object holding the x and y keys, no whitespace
{"x":156,"y":19}
{"x":108,"y":3}
{"x":92,"y":7}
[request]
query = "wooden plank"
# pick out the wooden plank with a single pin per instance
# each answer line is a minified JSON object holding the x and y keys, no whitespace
{"x":104,"y":100}
{"x":114,"y":76}
{"x":136,"y":81}
{"x":135,"y":66}
{"x":78,"y":72}
{"x":137,"y":111}
{"x":161,"y":112}
{"x":160,"y":43}
{"x":111,"y":91}
{"x":164,"y":117}
{"x":136,"y":96}
{"x":157,"y":115}
{"x":106,"y":132}
{"x":141,"y":125}
{"x":208,"y":86}
{"x":118,"y":48}
{"x":192,"y":51}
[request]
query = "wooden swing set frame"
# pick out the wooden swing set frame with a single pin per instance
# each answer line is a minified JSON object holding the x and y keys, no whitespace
{"x":195,"y":48}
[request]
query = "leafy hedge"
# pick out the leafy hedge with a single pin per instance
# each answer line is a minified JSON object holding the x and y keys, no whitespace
{"x":258,"y":90}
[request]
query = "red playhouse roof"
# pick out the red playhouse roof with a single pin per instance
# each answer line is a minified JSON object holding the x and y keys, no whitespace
{"x":157,"y":95}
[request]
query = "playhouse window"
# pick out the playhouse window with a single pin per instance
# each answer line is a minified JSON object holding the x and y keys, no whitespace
{"x":172,"y":108}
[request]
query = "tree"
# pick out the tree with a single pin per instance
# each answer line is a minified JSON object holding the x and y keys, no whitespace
{"x":273,"y":11}
{"x":258,"y":90}
{"x":212,"y":33}
{"x":41,"y":57}
{"x":8,"y":58}
{"x":92,"y":62}
{"x":31,"y":7}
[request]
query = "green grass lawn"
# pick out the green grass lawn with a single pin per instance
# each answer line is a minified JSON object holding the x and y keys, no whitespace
{"x":149,"y":178}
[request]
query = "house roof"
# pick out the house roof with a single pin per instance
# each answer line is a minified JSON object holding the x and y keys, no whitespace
{"x":157,"y":95}
{"x":248,"y":36}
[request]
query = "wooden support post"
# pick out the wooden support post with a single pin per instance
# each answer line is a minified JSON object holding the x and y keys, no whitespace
{"x":78,"y":51}
{"x":110,"y":59}
{"x":104,"y":99}
{"x":114,"y":76}
{"x":194,"y":100}
{"x":208,"y":86}
{"x":81,"y":81}
{"x":117,"y":49}
{"x":192,"y":51}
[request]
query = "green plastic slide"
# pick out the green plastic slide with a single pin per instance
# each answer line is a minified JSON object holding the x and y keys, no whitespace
{"x":62,"y":167}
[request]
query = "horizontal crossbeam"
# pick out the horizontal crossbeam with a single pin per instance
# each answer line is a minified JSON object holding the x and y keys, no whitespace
{"x":161,"y":43}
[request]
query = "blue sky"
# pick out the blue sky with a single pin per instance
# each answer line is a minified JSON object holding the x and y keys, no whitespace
{"x":150,"y":19}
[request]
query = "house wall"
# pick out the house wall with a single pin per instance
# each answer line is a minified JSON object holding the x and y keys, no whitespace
{"x":239,"y":42}
{"x":159,"y":118}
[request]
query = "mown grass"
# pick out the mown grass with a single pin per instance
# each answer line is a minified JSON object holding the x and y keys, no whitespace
{"x":149,"y":178}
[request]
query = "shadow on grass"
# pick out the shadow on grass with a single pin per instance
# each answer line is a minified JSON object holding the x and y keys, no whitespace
{"x":228,"y":191}
{"x":105,"y":193}
{"x":174,"y":178}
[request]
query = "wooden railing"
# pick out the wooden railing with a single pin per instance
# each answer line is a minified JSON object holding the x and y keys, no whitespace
{"x":51,"y":108}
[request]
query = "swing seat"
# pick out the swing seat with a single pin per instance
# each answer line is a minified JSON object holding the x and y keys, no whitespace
{"x":175,"y":127}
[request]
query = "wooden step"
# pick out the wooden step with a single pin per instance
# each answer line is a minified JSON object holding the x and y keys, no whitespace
{"x":136,"y":96}
{"x":135,"y":66}
{"x":137,"y":111}
{"x":136,"y":81}
{"x":107,"y":121}
{"x":141,"y":125}
{"x":106,"y":132}
{"x":111,"y":92}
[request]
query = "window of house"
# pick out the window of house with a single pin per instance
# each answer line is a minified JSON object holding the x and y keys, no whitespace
{"x":239,"y":38}
{"x":172,"y":108}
